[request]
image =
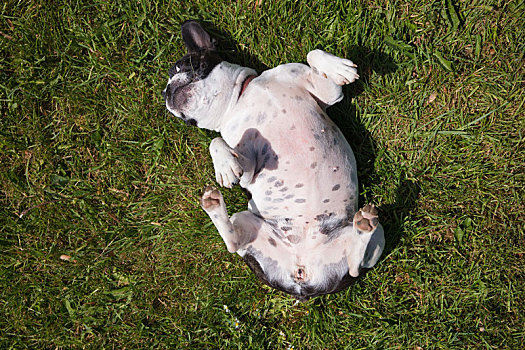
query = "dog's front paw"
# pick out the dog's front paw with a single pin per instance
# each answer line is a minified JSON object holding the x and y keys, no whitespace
{"x":228,"y":168}
{"x":365,"y":220}
{"x":340,"y":70}
{"x":211,"y":199}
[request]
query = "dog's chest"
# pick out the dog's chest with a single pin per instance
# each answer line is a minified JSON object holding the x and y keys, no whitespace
{"x":305,"y":168}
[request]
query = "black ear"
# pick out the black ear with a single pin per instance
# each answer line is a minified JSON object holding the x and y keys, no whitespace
{"x":195,"y":38}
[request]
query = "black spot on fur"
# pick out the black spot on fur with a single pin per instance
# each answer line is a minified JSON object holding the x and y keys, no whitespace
{"x":272,"y":242}
{"x":294,"y":239}
{"x":336,"y":187}
{"x":326,"y":200}
{"x":261,"y":117}
{"x":300,"y":200}
{"x":299,"y":185}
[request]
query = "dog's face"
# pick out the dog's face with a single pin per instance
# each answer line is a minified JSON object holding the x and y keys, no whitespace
{"x":184,"y":78}
{"x":201,"y":86}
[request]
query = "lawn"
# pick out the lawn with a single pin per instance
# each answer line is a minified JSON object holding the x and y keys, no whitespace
{"x":104,"y":244}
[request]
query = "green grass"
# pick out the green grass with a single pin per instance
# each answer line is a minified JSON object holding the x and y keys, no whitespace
{"x":93,"y":167}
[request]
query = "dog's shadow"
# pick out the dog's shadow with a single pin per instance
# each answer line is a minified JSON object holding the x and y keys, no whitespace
{"x":230,"y":51}
{"x":346,"y":116}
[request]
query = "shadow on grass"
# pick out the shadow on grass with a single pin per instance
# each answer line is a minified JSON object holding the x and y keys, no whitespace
{"x":364,"y":146}
{"x":229,"y":50}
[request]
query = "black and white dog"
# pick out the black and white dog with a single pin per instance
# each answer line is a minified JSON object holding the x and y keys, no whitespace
{"x":302,"y":233}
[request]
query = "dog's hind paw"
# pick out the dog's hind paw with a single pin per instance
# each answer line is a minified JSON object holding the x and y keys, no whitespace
{"x":365,"y":220}
{"x":211,"y":199}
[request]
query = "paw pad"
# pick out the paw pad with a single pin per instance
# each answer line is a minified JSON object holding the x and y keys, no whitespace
{"x":211,"y":198}
{"x":366,"y":218}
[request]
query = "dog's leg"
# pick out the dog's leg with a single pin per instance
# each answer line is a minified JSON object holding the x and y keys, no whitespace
{"x":230,"y":166}
{"x":237,"y":232}
{"x":368,"y":240}
{"x":328,"y":74}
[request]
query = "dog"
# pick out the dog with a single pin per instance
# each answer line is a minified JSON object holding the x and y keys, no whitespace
{"x":302,"y":233}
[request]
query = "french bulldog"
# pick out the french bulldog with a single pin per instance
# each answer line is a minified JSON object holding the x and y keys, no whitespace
{"x":303,"y":232}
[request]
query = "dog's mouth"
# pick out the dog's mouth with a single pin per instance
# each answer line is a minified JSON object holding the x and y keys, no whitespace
{"x":245,"y":83}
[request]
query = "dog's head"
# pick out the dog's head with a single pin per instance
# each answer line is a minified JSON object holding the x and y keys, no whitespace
{"x":201,"y":86}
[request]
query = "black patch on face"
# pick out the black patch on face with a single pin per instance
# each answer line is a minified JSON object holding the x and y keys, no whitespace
{"x":197,"y":64}
{"x":194,"y":66}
